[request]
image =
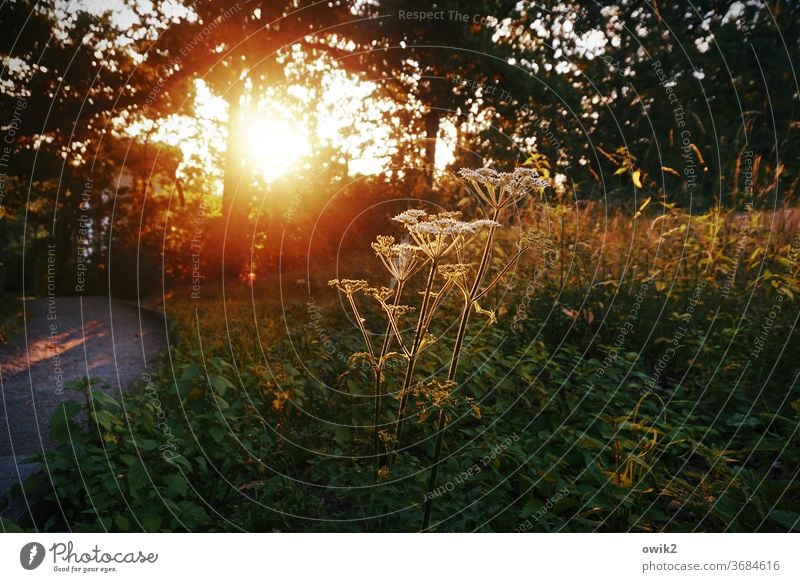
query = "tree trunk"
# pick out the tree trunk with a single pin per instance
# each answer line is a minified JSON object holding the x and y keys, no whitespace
{"x":235,"y":193}
{"x":432,"y":119}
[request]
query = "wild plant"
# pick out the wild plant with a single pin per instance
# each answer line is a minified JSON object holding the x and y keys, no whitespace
{"x":441,"y":246}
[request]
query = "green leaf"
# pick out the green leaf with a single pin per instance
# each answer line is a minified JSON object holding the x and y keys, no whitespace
{"x":190,"y":372}
{"x":61,"y":425}
{"x":217,"y":433}
{"x":176,"y":485}
{"x":185,"y":382}
{"x":342,"y":435}
{"x":220,"y":384}
{"x":218,"y":363}
{"x":105,"y":419}
{"x":151,"y":523}
{"x":786,"y":519}
{"x":147,"y":444}
{"x":182,"y":461}
{"x":138,"y":482}
{"x":123,"y":523}
{"x":104,"y":399}
{"x":8,"y":526}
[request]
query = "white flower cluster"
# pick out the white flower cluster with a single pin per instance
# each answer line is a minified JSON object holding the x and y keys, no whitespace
{"x":439,"y":235}
{"x":451,"y":227}
{"x":444,"y":223}
{"x":499,"y":189}
{"x":410,"y":216}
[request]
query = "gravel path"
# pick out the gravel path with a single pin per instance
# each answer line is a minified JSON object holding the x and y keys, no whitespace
{"x":66,"y":339}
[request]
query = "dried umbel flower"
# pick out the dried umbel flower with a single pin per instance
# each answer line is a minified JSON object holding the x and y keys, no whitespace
{"x":398,"y":311}
{"x":531,"y":238}
{"x":387,"y":437}
{"x":381,"y":294}
{"x":382,"y":244}
{"x":401,"y":260}
{"x":432,"y":395}
{"x":500,"y":189}
{"x":457,"y":273}
{"x":348,"y":286}
{"x":439,"y":235}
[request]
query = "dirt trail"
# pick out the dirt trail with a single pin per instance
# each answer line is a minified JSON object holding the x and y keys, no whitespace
{"x":61,"y":341}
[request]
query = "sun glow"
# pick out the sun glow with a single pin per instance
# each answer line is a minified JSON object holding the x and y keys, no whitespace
{"x":273,"y":143}
{"x":280,"y":132}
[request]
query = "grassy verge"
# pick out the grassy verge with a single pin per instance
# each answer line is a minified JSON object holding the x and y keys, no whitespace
{"x":640,"y":377}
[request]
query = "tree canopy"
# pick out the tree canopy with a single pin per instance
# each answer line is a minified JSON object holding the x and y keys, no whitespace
{"x":616,"y":101}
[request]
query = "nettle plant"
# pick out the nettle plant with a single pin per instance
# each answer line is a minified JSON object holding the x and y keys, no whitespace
{"x":440,"y":248}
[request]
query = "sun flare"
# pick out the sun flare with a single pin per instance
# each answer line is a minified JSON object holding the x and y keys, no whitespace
{"x":273,"y":143}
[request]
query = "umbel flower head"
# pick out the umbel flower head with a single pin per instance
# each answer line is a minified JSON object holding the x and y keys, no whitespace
{"x":401,"y":260}
{"x":500,"y":189}
{"x":437,"y":236}
{"x":457,"y":273}
{"x":381,"y":294}
{"x":349,"y":286}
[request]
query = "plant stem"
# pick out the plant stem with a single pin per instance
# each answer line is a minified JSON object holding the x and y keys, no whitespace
{"x":451,"y":374}
{"x":387,"y":339}
{"x":361,"y":327}
{"x":412,"y":357}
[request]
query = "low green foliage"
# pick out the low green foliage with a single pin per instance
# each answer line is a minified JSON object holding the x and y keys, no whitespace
{"x":621,"y":389}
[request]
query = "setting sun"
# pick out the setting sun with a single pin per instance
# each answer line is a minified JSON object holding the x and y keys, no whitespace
{"x":273,"y":143}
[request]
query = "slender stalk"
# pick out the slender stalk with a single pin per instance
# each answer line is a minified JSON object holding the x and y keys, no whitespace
{"x":360,"y":323}
{"x":439,"y":298}
{"x":412,"y":357}
{"x":387,"y":340}
{"x":499,"y":275}
{"x":392,"y":326}
{"x":451,"y":374}
{"x":561,"y":258}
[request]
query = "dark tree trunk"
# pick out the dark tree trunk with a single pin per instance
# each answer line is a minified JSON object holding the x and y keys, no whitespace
{"x":235,"y":193}
{"x":432,"y":119}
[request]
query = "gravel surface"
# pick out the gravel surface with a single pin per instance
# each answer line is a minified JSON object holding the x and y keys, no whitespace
{"x":62,"y":340}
